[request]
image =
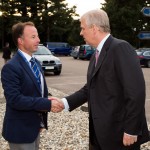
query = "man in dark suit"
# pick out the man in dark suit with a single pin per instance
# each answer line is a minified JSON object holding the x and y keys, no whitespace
{"x":26,"y":94}
{"x":115,"y":89}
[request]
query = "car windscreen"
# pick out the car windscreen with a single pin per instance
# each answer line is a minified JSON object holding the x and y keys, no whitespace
{"x":42,"y":50}
{"x":90,"y":48}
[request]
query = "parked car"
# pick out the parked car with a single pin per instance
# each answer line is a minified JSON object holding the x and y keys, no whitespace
{"x":75,"y":52}
{"x":49,"y":62}
{"x":60,"y":48}
{"x":143,"y":49}
{"x":144,"y":56}
{"x":86,"y":51}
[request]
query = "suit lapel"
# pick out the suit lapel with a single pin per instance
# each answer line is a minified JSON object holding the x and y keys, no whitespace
{"x":102,"y":55}
{"x":27,"y":68}
{"x":100,"y":60}
{"x":91,"y":66}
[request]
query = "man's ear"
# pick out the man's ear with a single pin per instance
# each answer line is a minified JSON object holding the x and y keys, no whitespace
{"x":95,"y":28}
{"x":20,"y":41}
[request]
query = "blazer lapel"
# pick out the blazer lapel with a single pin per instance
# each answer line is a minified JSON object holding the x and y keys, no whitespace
{"x":27,"y":68}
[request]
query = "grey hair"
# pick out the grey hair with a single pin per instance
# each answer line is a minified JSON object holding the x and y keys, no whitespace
{"x":98,"y":18}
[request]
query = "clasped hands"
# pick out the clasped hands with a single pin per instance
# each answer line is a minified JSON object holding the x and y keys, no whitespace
{"x":56,"y":104}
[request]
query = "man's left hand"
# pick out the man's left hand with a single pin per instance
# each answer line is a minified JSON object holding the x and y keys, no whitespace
{"x":129,"y":139}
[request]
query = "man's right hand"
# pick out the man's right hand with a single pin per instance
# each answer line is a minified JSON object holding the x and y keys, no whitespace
{"x":56,"y":104}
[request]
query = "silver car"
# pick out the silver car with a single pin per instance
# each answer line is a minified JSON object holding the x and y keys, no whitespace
{"x":49,"y":62}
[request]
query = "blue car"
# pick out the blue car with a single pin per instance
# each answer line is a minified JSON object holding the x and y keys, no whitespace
{"x":86,"y":51}
{"x":59,"y":48}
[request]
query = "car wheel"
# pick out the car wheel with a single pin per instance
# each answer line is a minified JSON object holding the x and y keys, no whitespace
{"x":57,"y":72}
{"x":148,"y":64}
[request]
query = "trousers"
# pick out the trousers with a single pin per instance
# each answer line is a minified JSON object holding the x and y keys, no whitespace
{"x":26,"y":146}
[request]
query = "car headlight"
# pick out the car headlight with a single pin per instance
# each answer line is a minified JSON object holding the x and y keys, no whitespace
{"x":57,"y":61}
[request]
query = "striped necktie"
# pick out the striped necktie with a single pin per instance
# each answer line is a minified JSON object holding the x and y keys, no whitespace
{"x":36,"y":71}
{"x":96,"y":57}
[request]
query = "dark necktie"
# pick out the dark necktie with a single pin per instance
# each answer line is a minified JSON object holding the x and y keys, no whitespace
{"x":96,"y":57}
{"x":36,"y":71}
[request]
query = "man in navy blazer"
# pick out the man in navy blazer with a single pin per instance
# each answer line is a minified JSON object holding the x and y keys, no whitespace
{"x":27,"y":104}
{"x":115,"y":89}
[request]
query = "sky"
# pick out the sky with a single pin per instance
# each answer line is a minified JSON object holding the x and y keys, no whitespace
{"x":85,"y":5}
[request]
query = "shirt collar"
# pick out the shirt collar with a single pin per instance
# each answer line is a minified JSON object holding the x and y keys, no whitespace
{"x":27,"y":56}
{"x":100,"y":45}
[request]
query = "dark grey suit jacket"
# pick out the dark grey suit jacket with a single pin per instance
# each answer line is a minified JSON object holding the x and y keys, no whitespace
{"x":115,"y":92}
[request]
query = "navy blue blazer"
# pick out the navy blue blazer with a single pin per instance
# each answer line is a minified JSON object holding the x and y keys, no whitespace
{"x":24,"y":103}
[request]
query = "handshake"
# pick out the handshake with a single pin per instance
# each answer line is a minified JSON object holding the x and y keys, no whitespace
{"x":57,"y":104}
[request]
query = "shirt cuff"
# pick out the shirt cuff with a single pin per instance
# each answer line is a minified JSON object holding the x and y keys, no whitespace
{"x":130,"y":135}
{"x":64,"y":100}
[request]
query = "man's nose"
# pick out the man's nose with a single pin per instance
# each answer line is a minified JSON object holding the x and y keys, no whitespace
{"x":38,"y":39}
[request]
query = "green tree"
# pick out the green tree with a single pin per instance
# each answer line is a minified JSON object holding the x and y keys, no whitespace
{"x":74,"y":37}
{"x":53,"y":18}
{"x":57,"y":20}
{"x":126,"y":19}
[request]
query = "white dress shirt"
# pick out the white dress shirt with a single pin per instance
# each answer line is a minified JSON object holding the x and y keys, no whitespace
{"x":28,"y":58}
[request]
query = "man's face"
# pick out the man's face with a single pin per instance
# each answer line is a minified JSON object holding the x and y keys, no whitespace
{"x":86,"y":32}
{"x":30,"y":40}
